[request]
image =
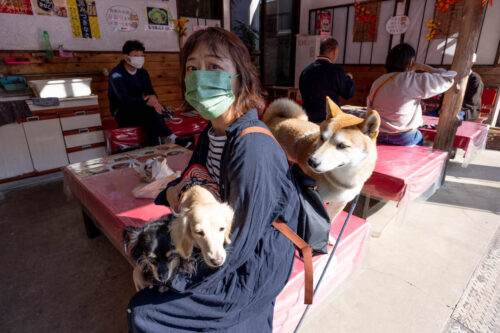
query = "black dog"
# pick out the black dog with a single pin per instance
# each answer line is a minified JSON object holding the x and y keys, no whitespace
{"x":156,"y":259}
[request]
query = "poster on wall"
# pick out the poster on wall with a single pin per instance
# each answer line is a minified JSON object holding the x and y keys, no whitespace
{"x":83,"y":19}
{"x":366,"y":21}
{"x":22,"y":7}
{"x":159,"y":19}
{"x":122,"y":18}
{"x":51,"y":7}
{"x":323,"y":24}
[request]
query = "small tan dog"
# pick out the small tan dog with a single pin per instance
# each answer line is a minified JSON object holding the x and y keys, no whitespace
{"x":340,"y":153}
{"x":205,"y":222}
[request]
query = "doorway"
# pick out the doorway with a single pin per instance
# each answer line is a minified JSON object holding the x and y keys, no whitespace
{"x":268,"y":28}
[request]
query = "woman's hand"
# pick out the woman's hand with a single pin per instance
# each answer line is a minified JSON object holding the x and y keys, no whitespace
{"x":173,"y":197}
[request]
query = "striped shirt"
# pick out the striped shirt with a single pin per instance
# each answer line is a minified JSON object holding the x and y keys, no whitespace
{"x":215,"y":148}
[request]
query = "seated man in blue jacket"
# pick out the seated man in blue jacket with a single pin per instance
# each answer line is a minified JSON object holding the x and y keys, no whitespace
{"x":323,"y":78}
{"x":132,"y":99}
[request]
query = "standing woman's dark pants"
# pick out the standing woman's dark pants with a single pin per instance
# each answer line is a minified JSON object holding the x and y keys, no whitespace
{"x":147,"y":118}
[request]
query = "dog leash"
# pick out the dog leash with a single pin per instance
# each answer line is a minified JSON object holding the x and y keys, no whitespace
{"x":337,"y":242}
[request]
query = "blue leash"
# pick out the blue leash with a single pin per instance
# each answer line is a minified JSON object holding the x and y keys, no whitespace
{"x":337,"y":242}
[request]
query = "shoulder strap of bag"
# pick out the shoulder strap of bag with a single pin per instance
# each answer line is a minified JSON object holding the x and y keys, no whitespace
{"x":380,"y":86}
{"x":291,"y":235}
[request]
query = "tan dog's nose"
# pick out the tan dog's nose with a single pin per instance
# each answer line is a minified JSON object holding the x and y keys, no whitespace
{"x":218,"y":260}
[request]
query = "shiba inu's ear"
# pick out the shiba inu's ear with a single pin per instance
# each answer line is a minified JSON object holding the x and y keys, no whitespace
{"x":371,"y":124}
{"x":228,"y":215}
{"x":332,"y":109}
{"x":180,"y":232}
{"x":130,"y":237}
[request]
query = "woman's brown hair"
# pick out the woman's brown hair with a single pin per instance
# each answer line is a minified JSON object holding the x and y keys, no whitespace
{"x":218,"y":40}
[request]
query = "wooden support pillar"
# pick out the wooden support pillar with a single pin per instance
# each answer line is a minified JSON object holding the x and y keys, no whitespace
{"x":462,"y":62}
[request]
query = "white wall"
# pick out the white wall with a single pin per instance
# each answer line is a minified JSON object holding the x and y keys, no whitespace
{"x":430,"y":53}
{"x":24,"y":32}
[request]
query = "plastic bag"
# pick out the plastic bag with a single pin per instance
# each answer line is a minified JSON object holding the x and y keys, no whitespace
{"x":156,"y":173}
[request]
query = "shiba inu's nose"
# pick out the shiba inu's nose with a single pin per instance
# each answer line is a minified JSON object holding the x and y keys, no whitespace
{"x":313,"y":163}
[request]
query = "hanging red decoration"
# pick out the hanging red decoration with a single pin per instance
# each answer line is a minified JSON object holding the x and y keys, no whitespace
{"x":364,"y":15}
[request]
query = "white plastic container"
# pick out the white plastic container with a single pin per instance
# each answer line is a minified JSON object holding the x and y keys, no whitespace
{"x":62,"y":88}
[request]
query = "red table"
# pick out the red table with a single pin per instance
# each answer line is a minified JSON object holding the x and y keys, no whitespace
{"x":405,"y":173}
{"x":104,"y":188}
{"x":471,"y":136}
{"x":105,"y":191}
{"x":119,"y":139}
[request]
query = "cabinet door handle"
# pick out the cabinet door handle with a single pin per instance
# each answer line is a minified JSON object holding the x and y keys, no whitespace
{"x":86,"y":147}
{"x":79,"y":113}
{"x":33,"y":118}
{"x":83,"y":130}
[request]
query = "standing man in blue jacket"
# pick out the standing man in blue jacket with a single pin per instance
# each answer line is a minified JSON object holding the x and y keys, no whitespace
{"x":132,"y":99}
{"x":323,"y":78}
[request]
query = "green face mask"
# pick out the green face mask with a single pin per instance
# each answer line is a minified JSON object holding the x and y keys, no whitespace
{"x":209,"y":92}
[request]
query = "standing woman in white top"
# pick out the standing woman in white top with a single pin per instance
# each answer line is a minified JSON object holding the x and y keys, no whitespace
{"x":396,"y":95}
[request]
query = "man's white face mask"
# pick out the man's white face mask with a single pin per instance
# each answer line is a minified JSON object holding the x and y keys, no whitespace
{"x":136,"y":62}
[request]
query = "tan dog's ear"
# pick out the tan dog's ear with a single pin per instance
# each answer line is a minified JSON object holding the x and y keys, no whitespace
{"x":180,"y":232}
{"x":371,"y":124}
{"x":332,"y":109}
{"x":228,"y":215}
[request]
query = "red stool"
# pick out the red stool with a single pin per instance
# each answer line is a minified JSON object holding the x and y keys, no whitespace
{"x":121,"y":139}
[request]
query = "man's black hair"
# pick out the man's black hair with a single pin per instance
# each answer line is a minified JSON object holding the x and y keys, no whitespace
{"x":328,"y":45}
{"x":399,"y":58}
{"x":132,"y":45}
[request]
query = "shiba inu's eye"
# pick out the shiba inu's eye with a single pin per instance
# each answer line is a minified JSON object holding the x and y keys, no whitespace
{"x":341,"y":146}
{"x":222,"y":229}
{"x":200,"y":233}
{"x":152,"y":256}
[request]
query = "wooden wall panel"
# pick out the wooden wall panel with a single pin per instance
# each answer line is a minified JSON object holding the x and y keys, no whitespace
{"x":162,"y":67}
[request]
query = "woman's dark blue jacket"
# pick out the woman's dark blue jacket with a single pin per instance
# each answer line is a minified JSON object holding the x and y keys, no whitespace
{"x":239,"y":296}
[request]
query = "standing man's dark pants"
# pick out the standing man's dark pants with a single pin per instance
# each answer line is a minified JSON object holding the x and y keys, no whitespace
{"x":147,"y":118}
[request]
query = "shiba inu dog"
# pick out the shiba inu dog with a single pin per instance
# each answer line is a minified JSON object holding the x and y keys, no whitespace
{"x":340,"y":153}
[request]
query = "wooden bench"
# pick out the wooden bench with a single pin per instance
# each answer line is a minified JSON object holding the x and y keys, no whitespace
{"x":105,"y":194}
{"x":275,"y":92}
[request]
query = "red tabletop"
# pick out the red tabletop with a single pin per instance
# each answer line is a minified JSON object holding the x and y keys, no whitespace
{"x":404,"y":173}
{"x":104,"y":187}
{"x":470,"y":135}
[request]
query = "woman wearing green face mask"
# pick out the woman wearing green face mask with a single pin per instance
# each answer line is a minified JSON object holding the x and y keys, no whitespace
{"x":253,"y":176}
